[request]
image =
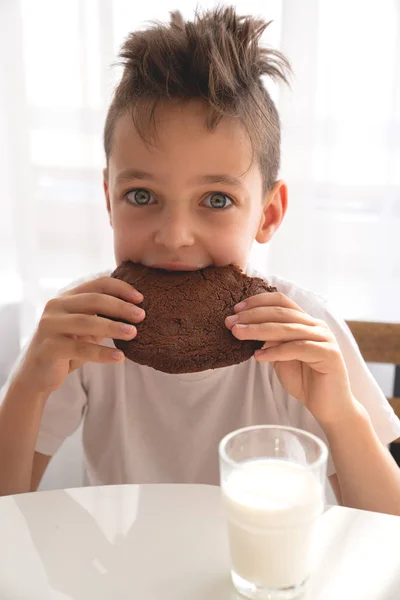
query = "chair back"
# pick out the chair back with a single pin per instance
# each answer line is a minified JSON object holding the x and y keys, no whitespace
{"x":379,"y":343}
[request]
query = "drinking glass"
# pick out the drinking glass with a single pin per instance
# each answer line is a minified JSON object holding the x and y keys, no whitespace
{"x":273,"y":487}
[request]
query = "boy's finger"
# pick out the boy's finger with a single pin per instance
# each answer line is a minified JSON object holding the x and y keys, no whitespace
{"x":87,"y":326}
{"x":78,"y":350}
{"x":270,"y":314}
{"x":269,"y":345}
{"x":322,"y":357}
{"x":102,"y":304}
{"x":267,"y":299}
{"x":86,"y":352}
{"x":110,"y":286}
{"x":280,"y":332}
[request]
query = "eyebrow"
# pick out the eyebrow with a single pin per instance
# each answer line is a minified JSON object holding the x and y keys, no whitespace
{"x":130,"y":174}
{"x":234,"y":182}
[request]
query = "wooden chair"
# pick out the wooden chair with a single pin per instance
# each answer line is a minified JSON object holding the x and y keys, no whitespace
{"x":380,"y":343}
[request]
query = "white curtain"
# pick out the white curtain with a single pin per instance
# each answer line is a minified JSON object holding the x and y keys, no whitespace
{"x":340,"y":152}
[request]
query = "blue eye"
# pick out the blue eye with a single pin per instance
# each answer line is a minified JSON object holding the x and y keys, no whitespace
{"x":217,"y":200}
{"x":140,"y":197}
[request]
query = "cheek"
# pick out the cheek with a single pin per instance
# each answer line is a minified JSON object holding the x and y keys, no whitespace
{"x":129,"y":236}
{"x":233,"y":244}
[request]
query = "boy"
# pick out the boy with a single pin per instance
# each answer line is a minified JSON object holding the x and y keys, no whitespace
{"x":192,"y":146}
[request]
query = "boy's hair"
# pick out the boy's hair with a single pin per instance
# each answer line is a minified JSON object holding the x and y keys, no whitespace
{"x":216,"y":58}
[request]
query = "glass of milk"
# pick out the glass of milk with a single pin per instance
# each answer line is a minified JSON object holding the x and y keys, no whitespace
{"x":273,"y":486}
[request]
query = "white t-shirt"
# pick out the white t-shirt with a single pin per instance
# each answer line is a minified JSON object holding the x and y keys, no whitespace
{"x":144,"y":426}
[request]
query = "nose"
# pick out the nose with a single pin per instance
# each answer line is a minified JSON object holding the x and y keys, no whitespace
{"x":174,"y":229}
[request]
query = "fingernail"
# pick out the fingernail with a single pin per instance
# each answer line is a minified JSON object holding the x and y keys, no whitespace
{"x":233,"y":319}
{"x":137,"y":296}
{"x":240,"y":306}
{"x":125,"y":328}
{"x":117,"y":355}
{"x":241,"y":325}
{"x":138,"y":312}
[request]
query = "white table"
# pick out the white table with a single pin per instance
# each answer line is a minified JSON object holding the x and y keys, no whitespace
{"x":168,"y":542}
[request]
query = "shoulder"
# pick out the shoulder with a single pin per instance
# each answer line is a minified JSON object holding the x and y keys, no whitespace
{"x":306,"y":299}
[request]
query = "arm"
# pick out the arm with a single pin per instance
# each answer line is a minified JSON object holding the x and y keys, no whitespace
{"x":310,"y":366}
{"x":368,"y":476}
{"x":40,"y":463}
{"x":69,"y":334}
{"x":20,"y":416}
{"x":334,"y":481}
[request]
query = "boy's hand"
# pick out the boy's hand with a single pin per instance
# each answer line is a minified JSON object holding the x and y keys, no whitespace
{"x":303,"y":351}
{"x":70,"y":332}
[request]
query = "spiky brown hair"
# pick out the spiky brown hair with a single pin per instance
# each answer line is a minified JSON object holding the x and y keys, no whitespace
{"x":217,"y":58}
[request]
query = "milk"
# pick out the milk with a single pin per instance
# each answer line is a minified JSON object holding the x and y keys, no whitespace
{"x":272,"y":506}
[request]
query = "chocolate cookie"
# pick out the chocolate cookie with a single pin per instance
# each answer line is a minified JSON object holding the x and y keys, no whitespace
{"x":184,"y":330}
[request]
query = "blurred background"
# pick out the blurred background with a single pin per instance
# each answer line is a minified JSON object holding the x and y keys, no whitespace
{"x":340,"y":150}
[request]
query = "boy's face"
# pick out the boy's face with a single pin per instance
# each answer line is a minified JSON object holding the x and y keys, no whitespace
{"x":191,"y":200}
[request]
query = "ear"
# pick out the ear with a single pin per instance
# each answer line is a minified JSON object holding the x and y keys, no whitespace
{"x":274,"y":209}
{"x":107,"y":193}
